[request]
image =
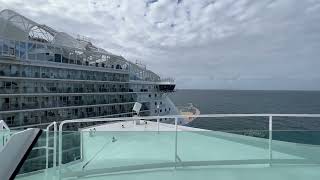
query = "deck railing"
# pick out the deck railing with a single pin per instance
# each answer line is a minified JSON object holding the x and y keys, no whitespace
{"x":176,"y":160}
{"x":176,"y":120}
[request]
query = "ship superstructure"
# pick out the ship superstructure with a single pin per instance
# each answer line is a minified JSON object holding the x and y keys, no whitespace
{"x":47,"y":76}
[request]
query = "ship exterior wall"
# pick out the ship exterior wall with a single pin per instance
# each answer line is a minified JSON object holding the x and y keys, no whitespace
{"x":40,"y":90}
{"x":41,"y":83}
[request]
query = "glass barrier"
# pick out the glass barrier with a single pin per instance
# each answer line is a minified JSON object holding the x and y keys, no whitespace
{"x":304,"y":149}
{"x":93,"y":151}
{"x":89,"y":153}
{"x":222,"y":148}
{"x":4,"y":137}
{"x":36,"y":160}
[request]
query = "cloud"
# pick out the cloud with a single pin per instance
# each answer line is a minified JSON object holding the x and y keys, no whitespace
{"x":201,"y":43}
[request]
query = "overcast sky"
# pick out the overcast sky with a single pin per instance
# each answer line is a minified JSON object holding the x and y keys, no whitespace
{"x":207,"y":44}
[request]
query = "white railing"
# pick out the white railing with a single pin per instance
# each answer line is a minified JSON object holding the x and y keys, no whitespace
{"x":171,"y":80}
{"x":54,"y":148}
{"x":176,"y":117}
{"x":47,"y":147}
{"x":4,"y":127}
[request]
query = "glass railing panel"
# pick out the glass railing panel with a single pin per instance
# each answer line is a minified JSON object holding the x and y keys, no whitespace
{"x":222,"y":147}
{"x":103,"y":151}
{"x":303,"y":145}
{"x":4,"y":137}
{"x":95,"y":151}
{"x":226,"y":140}
{"x":129,"y":148}
{"x":300,"y":136}
{"x":71,"y":146}
{"x":245,"y":124}
{"x":36,"y":159}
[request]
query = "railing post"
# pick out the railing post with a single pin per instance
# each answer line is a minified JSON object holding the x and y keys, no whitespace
{"x":158,"y":124}
{"x":176,"y":123}
{"x":270,"y":140}
{"x":47,"y":147}
{"x":3,"y":126}
{"x":60,"y":148}
{"x":54,"y":148}
{"x":54,"y":145}
{"x":176,"y":143}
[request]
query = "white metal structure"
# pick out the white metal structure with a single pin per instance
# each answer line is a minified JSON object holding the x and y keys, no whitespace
{"x":5,"y":131}
{"x":3,"y":126}
{"x":54,"y":147}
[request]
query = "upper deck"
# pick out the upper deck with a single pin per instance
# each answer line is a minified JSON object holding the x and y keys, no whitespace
{"x":129,"y":150}
{"x":31,"y":43}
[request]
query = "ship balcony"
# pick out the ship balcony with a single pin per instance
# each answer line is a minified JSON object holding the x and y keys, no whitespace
{"x":167,"y":85}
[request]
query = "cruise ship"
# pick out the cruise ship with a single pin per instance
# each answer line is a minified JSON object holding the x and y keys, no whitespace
{"x":70,"y":110}
{"x":47,"y":76}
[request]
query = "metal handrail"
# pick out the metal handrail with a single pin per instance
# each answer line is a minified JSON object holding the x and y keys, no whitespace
{"x":3,"y":125}
{"x":47,"y":147}
{"x":54,"y":148}
{"x":176,"y":117}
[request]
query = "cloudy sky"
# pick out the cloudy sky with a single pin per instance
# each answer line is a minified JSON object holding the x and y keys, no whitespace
{"x":207,"y":44}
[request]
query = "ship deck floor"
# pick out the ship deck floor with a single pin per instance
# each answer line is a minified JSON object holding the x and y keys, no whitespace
{"x":201,"y":154}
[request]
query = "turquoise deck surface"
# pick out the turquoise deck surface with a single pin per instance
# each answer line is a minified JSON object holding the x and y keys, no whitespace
{"x":228,"y":156}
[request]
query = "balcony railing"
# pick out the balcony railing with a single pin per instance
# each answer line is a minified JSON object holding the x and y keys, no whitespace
{"x":31,"y":50}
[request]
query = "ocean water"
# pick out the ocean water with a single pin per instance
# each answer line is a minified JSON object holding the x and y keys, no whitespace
{"x":301,"y":130}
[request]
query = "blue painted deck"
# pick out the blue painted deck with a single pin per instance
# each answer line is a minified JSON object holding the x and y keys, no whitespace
{"x":202,"y":155}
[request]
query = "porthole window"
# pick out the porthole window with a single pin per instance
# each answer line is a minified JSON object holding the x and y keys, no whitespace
{"x":155,"y":103}
{"x":149,"y":95}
